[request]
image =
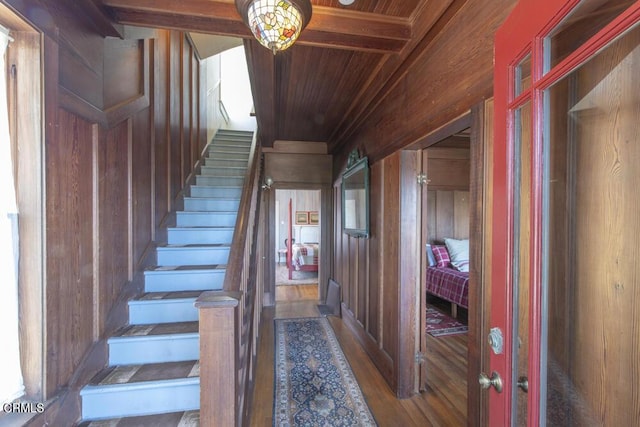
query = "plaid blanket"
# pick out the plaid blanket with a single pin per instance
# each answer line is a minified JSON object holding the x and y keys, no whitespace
{"x":449,"y":284}
{"x":304,"y":254}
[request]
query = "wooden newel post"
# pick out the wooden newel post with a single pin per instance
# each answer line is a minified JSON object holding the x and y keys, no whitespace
{"x":219,"y":342}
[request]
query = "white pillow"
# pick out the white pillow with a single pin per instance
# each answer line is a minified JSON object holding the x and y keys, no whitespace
{"x":459,"y":253}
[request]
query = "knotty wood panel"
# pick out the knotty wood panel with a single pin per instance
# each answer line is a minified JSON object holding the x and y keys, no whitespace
{"x":70,"y":257}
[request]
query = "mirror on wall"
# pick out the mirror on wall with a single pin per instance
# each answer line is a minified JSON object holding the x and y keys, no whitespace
{"x":355,"y":197}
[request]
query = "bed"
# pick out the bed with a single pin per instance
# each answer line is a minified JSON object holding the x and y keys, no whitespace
{"x":448,"y":283}
{"x":302,"y":256}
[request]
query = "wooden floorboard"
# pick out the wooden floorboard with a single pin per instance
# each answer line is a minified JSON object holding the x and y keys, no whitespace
{"x":444,"y":403}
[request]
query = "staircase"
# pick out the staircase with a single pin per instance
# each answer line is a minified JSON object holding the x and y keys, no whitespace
{"x":152,"y":377}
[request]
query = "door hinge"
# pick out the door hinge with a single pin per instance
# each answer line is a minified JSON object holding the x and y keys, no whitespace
{"x":420,"y":358}
{"x":422,"y":179}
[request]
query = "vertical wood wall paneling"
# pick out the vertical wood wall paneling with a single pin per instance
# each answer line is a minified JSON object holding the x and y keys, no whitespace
{"x":130,"y":261}
{"x":425,"y":215}
{"x":70,"y":248}
{"x":409,"y":259}
{"x":151,"y":50}
{"x":51,"y":138}
{"x":448,"y":215}
{"x":362,"y":285}
{"x":174,"y":88}
{"x":95,"y":197}
{"x":25,"y":86}
{"x":390,"y":257}
{"x":114,"y":193}
{"x":195,"y":131}
{"x":376,"y":263}
{"x":478,"y":309}
{"x":143,"y":163}
{"x":269,"y":206}
{"x":162,"y":134}
{"x":352,"y":277}
{"x":202,"y":108}
{"x":326,"y":242}
{"x":185,"y":107}
{"x":338,"y":258}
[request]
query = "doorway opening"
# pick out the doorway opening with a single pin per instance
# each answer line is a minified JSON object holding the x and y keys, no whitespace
{"x":446,"y":234}
{"x":297,"y":244}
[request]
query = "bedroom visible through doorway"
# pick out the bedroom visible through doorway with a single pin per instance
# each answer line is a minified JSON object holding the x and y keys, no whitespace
{"x":297,"y":244}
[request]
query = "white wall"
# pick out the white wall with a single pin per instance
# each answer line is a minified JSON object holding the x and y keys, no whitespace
{"x":236,"y":89}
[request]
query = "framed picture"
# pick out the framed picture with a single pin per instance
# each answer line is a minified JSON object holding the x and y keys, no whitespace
{"x":314,"y":219}
{"x":302,"y":217}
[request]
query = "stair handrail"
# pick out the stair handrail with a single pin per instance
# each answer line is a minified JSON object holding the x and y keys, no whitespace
{"x":245,"y":219}
{"x":230,"y":319}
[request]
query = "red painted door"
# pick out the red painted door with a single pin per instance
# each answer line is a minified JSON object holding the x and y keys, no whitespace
{"x":565,"y":340}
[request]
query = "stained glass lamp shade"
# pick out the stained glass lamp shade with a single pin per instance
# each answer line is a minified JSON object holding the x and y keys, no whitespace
{"x":276,"y":24}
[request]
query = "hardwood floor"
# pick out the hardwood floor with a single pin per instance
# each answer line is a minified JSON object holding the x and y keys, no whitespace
{"x":296,"y":292}
{"x":443,"y":403}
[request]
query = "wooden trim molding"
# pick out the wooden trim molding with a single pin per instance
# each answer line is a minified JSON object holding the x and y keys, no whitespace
{"x":107,"y":118}
{"x":111,"y":116}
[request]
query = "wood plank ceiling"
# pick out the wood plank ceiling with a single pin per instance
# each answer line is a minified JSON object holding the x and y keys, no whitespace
{"x":346,"y":60}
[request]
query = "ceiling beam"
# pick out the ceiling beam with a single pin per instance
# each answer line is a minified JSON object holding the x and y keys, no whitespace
{"x":328,"y":27}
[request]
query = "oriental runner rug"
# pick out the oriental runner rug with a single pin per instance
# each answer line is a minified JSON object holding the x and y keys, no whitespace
{"x":313,"y":383}
{"x":440,"y":325}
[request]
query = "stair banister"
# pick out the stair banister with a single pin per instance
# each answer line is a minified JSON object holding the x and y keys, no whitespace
{"x":229,"y":318}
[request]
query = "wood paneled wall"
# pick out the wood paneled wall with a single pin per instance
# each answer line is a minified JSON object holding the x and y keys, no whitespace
{"x":444,"y":78}
{"x":122,"y":138}
{"x":447,"y":215}
{"x":375,"y":273}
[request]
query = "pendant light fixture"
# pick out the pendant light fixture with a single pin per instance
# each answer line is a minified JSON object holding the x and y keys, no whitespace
{"x":276,"y":24}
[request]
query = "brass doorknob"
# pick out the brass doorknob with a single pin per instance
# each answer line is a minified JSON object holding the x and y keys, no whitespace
{"x":495,"y":381}
{"x":523,"y":383}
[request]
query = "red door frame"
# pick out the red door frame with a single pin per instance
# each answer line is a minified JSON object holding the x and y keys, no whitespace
{"x":522,"y":33}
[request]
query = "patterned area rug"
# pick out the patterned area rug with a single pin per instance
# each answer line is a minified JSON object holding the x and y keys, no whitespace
{"x":440,"y":325}
{"x":298,"y":277}
{"x":314,"y":384}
